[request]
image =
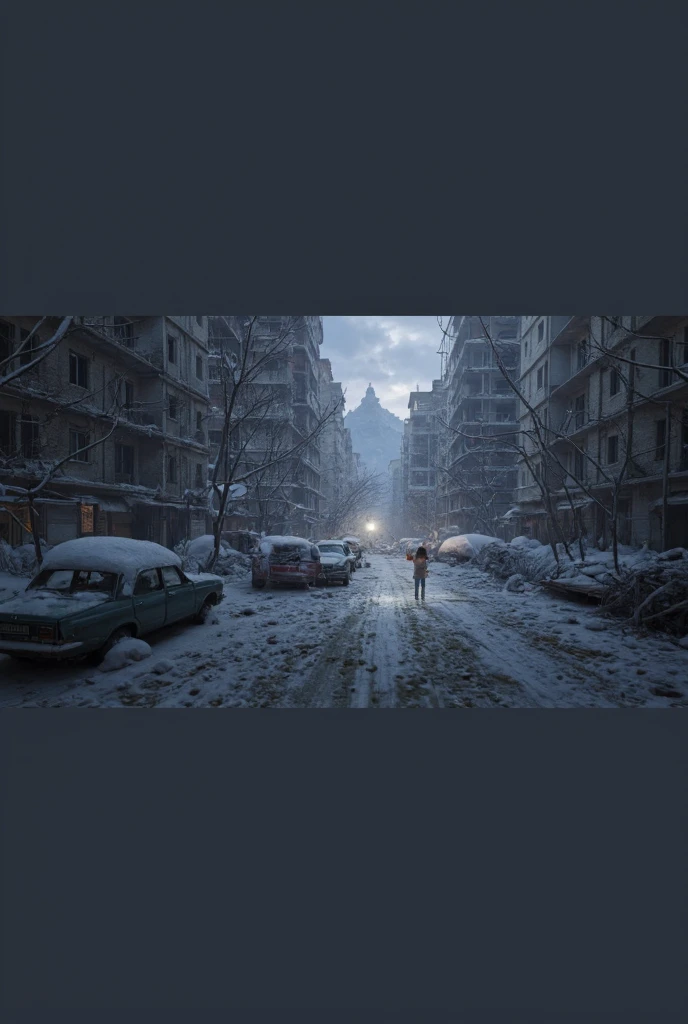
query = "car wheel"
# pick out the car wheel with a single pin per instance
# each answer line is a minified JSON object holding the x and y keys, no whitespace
{"x":346,"y":581}
{"x":95,"y":657}
{"x":203,"y":612}
{"x":258,"y":584}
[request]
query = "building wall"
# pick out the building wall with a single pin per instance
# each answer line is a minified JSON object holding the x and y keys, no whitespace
{"x":587,"y":361}
{"x":477,"y":484}
{"x":108,"y":382}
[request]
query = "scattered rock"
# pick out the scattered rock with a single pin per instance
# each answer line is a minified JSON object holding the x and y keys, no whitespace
{"x":596,"y":627}
{"x":194,"y":692}
{"x":247,"y":611}
{"x":666,"y":691}
{"x":165,"y":665}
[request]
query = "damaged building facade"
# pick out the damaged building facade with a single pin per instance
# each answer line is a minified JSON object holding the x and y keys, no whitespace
{"x":477,"y":462}
{"x":113,"y":422}
{"x":612,"y":395}
{"x":291,"y":390}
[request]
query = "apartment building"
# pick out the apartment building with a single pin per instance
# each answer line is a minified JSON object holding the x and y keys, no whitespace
{"x":613,"y":407}
{"x":285,"y":496}
{"x":116,"y":418}
{"x":395,"y":510}
{"x":336,"y":453}
{"x":479,"y":475}
{"x":419,"y":458}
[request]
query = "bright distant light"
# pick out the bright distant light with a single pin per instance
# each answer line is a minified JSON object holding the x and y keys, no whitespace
{"x":370,"y":526}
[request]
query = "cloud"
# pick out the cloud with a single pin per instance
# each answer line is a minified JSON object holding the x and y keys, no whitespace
{"x":393,"y":353}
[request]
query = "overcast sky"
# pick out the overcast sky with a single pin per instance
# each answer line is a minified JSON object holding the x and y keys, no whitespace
{"x":393,"y":353}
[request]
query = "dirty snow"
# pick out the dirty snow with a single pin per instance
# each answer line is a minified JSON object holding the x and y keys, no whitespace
{"x":470,"y":644}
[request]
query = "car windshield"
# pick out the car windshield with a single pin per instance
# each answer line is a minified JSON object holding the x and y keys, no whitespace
{"x":70,"y":581}
{"x":336,"y":549}
{"x":288,"y":553}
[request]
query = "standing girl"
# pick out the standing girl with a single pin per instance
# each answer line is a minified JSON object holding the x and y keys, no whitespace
{"x":420,"y":571}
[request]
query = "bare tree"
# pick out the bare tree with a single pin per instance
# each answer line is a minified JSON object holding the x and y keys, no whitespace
{"x":345,"y":508}
{"x":259,"y":433}
{"x":32,"y":351}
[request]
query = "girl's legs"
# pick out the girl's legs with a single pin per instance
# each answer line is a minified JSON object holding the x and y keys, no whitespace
{"x":422,"y":589}
{"x":416,"y":583}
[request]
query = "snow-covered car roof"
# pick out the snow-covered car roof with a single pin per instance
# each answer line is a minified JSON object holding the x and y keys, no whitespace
{"x":109,"y":554}
{"x":297,"y":542}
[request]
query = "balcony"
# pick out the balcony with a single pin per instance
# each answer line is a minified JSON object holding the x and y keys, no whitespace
{"x":566,"y":329}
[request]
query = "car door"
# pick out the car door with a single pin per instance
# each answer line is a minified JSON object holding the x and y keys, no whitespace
{"x":181,"y":597}
{"x":150,"y":600}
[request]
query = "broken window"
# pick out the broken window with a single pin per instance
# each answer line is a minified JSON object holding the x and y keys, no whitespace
{"x":124,"y":460}
{"x":6,"y":341}
{"x":199,"y":475}
{"x":172,"y":407}
{"x":172,"y":470}
{"x":613,"y":449}
{"x":660,"y":439}
{"x":7,"y":432}
{"x":614,"y":381}
{"x":541,"y":330}
{"x":171,"y":348}
{"x":539,"y":378}
{"x":30,"y":440}
{"x":78,"y":439}
{"x":199,"y":367}
{"x":78,"y":370}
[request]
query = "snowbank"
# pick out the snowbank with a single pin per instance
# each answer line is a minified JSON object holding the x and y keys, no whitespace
{"x":465,"y":545}
{"x":110,"y":554}
{"x":124,"y":653}
{"x":20,"y":561}
{"x":195,"y":553}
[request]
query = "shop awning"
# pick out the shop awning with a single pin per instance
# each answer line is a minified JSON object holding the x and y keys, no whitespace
{"x":110,"y":505}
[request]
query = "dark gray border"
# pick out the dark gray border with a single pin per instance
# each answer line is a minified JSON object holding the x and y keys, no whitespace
{"x":528,"y":155}
{"x":483,"y":863}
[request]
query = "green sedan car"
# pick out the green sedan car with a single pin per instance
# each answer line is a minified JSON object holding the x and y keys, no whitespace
{"x":92,"y":592}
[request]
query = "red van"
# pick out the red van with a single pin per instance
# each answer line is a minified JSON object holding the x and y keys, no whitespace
{"x":285,"y":560}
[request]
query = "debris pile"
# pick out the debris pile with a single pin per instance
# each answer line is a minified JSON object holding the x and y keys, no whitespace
{"x":231,"y":564}
{"x":653,"y":595}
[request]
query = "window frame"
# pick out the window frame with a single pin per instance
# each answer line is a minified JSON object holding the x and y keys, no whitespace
{"x":78,"y":362}
{"x":612,"y":439}
{"x":155,"y":590}
{"x":74,"y":454}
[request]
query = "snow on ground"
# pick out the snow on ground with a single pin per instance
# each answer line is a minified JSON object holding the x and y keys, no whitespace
{"x":471,"y":644}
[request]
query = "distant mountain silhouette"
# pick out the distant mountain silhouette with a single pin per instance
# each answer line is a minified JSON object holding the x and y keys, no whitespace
{"x":375,"y":432}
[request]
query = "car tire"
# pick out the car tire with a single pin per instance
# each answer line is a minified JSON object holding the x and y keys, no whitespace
{"x":346,"y":581}
{"x":95,"y":657}
{"x":203,"y":612}
{"x":258,"y":584}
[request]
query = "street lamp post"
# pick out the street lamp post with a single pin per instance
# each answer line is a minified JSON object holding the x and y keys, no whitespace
{"x":370,"y":527}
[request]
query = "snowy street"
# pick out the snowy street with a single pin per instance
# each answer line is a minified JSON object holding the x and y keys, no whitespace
{"x":372,"y":645}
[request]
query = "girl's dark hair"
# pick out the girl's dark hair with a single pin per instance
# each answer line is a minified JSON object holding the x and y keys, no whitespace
{"x":421,"y":553}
